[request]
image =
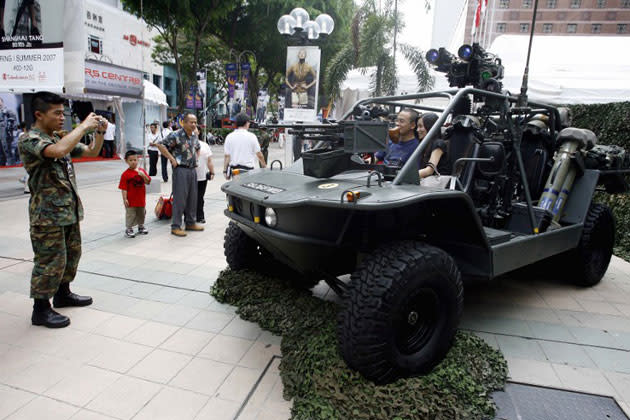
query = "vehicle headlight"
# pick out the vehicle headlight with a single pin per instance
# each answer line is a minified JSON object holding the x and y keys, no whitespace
{"x":271,"y":218}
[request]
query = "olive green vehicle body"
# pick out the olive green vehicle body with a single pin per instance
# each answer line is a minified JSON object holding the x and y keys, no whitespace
{"x":319,"y":232}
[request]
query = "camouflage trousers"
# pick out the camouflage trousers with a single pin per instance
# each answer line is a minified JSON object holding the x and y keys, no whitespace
{"x":57,"y":252}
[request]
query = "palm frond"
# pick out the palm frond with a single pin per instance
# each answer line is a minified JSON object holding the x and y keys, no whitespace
{"x":337,"y":70}
{"x":416,"y":59}
{"x":374,"y":40}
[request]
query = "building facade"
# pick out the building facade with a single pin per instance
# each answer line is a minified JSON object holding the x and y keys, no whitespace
{"x":554,"y":17}
{"x":119,"y":38}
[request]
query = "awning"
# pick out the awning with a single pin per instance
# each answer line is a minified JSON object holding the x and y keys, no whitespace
{"x":153,"y":94}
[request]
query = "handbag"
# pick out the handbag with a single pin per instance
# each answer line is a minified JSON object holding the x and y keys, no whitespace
{"x":164,"y":207}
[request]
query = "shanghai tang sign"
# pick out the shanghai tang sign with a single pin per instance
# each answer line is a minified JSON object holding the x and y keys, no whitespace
{"x":31,"y":47}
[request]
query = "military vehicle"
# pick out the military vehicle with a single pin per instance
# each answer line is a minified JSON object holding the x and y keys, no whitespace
{"x":520,"y":192}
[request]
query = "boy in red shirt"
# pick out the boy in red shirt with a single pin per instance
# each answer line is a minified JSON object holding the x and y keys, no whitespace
{"x":132,"y":183}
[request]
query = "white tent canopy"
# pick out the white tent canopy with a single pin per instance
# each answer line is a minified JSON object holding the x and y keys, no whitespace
{"x":562,"y":70}
{"x":154,"y":94}
{"x":568,"y":69}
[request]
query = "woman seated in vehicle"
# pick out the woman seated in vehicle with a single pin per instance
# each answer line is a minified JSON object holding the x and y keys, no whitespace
{"x":434,"y":159}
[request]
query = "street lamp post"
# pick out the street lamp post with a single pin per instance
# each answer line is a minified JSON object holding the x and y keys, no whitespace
{"x":298,"y":29}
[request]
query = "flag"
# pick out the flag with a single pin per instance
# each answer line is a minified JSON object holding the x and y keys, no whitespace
{"x":480,"y":14}
{"x":476,"y":18}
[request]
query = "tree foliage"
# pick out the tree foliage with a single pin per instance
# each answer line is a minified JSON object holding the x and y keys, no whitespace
{"x":186,"y":29}
{"x":370,"y":48}
{"x":252,"y":27}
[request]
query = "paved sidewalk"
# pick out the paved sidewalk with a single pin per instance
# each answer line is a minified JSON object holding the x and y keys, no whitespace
{"x":156,"y":345}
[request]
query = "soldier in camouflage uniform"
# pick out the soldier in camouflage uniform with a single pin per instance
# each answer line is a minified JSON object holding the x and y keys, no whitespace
{"x":55,"y":208}
{"x":181,"y":147}
{"x":264,"y":139}
{"x":8,"y":125}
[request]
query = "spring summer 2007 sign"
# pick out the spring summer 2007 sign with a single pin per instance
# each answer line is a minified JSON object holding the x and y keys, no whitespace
{"x":31,"y":45}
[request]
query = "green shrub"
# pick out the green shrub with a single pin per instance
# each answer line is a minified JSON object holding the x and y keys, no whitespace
{"x":611,"y":124}
{"x":323,"y":387}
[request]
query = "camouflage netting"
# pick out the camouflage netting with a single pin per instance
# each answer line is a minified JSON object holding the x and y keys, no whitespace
{"x":611,"y":124}
{"x":320,"y":384}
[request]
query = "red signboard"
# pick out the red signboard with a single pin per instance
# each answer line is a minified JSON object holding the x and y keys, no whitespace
{"x":133,"y":40}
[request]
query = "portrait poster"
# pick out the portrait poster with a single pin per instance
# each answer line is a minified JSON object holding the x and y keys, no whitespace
{"x":10,"y":112}
{"x":31,"y":45}
{"x":302,"y":81}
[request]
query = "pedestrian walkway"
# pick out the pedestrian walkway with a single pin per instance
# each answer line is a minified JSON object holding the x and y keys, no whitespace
{"x":156,"y":345}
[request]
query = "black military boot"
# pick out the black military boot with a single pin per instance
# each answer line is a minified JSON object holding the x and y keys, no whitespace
{"x":64,"y":297}
{"x":44,"y":315}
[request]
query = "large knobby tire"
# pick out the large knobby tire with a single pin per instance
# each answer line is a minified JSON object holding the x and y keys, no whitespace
{"x":592,"y":256}
{"x":240,"y":250}
{"x":402,"y":309}
{"x":243,"y":252}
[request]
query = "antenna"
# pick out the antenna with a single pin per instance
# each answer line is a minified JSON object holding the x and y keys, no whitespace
{"x":522,"y":99}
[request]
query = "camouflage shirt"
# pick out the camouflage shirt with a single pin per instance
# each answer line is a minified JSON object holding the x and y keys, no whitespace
{"x":54,"y":198}
{"x":264,"y":138}
{"x":182,"y":147}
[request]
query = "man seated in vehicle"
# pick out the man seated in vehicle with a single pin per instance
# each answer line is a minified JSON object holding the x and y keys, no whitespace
{"x":400,"y":149}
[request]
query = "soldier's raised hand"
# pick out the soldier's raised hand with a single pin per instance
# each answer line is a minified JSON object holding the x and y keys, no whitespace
{"x":92,"y":121}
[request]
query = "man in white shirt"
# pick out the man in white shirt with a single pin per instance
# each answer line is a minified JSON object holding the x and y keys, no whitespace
{"x":109,"y":142}
{"x":205,"y":173}
{"x":241,"y":148}
{"x":165,"y":130}
{"x":153,"y":138}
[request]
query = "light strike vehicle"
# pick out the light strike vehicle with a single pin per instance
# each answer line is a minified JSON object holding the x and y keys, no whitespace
{"x":520,"y":192}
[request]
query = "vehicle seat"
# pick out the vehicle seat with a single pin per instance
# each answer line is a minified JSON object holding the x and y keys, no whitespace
{"x":536,"y":149}
{"x":462,"y":144}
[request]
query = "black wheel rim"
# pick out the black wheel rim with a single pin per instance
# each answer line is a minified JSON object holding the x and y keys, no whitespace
{"x":417,"y":321}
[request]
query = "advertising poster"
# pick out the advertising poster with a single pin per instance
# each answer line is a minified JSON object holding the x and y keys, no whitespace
{"x":302,"y":81}
{"x":231,"y":73}
{"x":31,"y":45}
{"x":9,"y":128}
{"x":194,"y":99}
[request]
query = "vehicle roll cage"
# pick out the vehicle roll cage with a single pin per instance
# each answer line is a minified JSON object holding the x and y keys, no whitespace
{"x":409,"y":172}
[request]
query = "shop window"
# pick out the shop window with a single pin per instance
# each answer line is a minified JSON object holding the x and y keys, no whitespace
{"x":625,"y":4}
{"x":576,"y":4}
{"x":504,"y":4}
{"x":157,"y":80}
{"x":551,"y":4}
{"x":524,"y":27}
{"x":527,"y":4}
{"x":601,"y":4}
{"x":572,"y":28}
{"x":95,"y":44}
{"x":596,"y":28}
{"x":168,"y":83}
{"x":622,"y":28}
{"x":547,"y":28}
{"x":501,"y":28}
